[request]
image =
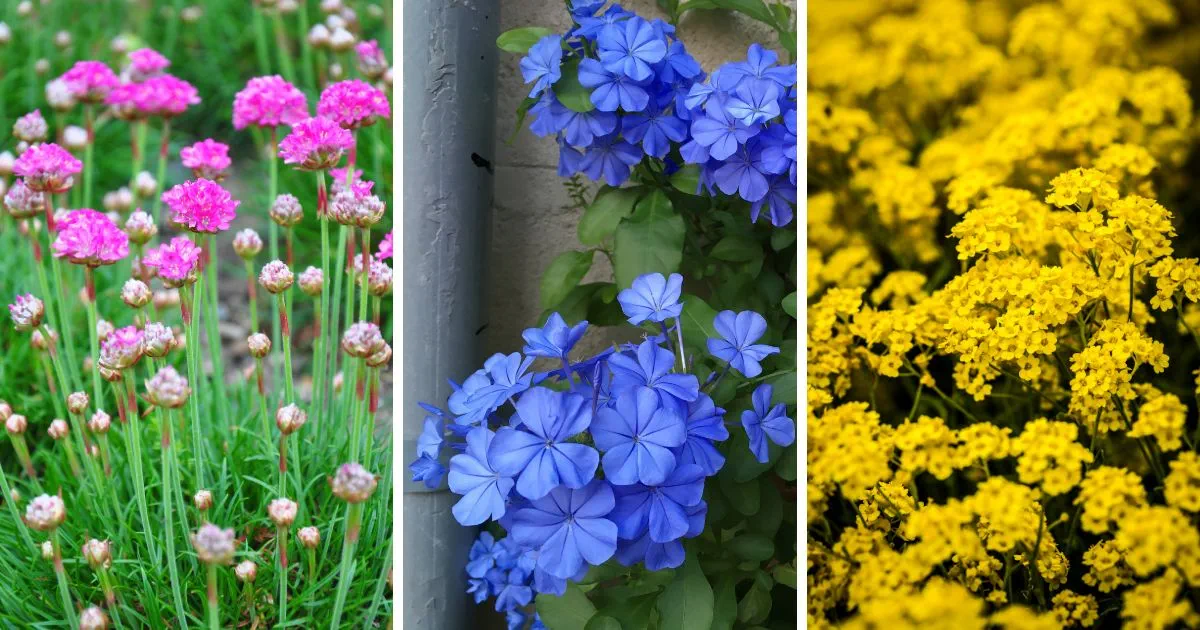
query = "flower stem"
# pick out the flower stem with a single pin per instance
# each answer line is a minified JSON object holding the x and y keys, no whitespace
{"x":212,"y":324}
{"x":170,"y":480}
{"x":320,"y":382}
{"x":163,"y":149}
{"x":286,"y":338}
{"x":366,"y":265}
{"x":64,"y":591}
{"x":214,"y":613}
{"x":349,"y":543}
{"x":281,"y":41}
{"x":252,"y":291}
{"x":89,"y":278}
{"x":89,"y":118}
{"x":281,"y":538}
{"x":134,"y":428}
{"x":306,"y":58}
{"x":16,"y":516}
{"x":193,"y":360}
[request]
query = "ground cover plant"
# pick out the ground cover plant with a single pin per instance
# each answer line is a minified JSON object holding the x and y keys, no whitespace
{"x":191,"y":408}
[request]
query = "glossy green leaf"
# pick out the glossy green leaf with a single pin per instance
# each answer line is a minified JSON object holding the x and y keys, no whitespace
{"x":565,"y":273}
{"x":687,"y":179}
{"x":752,"y":547}
{"x":603,"y":622}
{"x":687,"y":602}
{"x":697,"y":319}
{"x":520,"y":40}
{"x":737,"y":248}
{"x":789,"y":304}
{"x":650,"y":241}
{"x":725,"y":610}
{"x":600,"y":218}
{"x":571,"y":611}
{"x":754,"y":606}
{"x":570,"y":91}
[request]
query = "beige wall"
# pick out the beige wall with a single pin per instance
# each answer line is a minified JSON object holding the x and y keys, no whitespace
{"x":529,"y":224}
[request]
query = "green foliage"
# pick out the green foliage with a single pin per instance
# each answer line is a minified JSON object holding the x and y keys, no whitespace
{"x":520,"y":40}
{"x":570,"y":91}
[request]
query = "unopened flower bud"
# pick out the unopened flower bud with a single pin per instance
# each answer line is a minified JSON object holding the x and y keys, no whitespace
{"x":100,"y":422}
{"x":352,"y":483}
{"x":140,"y":227}
{"x":59,"y":95}
{"x":41,"y":66}
{"x":362,"y":339}
{"x":203,"y":500}
{"x":247,"y":244}
{"x":289,"y":418}
{"x":213,"y":544}
{"x":98,"y":554}
{"x":39,"y":342}
{"x":45,"y":513}
{"x":15,"y":496}
{"x":166,"y":299}
{"x":259,"y":345}
{"x":75,"y":138}
{"x":6,"y":163}
{"x":379,"y":279}
{"x":136,"y":294}
{"x":144,"y":184}
{"x":335,"y":71}
{"x":119,"y":200}
{"x":58,"y":429}
{"x":62,"y":39}
{"x":331,"y":6}
{"x":77,"y":403}
{"x":286,"y":210}
{"x":167,"y":388}
{"x":318,"y":36}
{"x":157,"y":340}
{"x":309,"y":536}
{"x":16,"y":424}
{"x":312,"y":280}
{"x":338,"y":380}
{"x":191,"y":14}
{"x":93,"y":618}
{"x":275,"y":277}
{"x":104,"y":328}
{"x":31,"y":127}
{"x":5,"y":411}
{"x":380,"y":358}
{"x":287,"y":7}
{"x":26,"y":311}
{"x":246,"y":571}
{"x":282,"y":512}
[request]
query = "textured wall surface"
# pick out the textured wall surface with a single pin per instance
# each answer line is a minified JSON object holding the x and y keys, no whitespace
{"x":530,"y":225}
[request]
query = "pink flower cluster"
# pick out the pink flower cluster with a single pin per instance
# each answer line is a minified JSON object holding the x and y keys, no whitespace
{"x":47,"y":168}
{"x":208,"y":159}
{"x":201,"y":205}
{"x":269,"y":102}
{"x":31,"y":127}
{"x":163,"y":95}
{"x":87,"y":237}
{"x":385,"y":247}
{"x":176,"y":262}
{"x":90,"y":81}
{"x":315,"y":144}
{"x":371,"y":60}
{"x":145,"y":63}
{"x":122,"y":348}
{"x":353,"y":104}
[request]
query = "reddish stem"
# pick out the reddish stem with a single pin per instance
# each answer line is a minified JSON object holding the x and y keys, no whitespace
{"x":258,"y":373}
{"x":283,"y":454}
{"x":50,"y":225}
{"x":89,"y":280}
{"x":37,"y":248}
{"x":283,"y":559}
{"x":185,"y":312}
{"x":374,"y":405}
{"x":322,"y":197}
{"x":290,"y":257}
{"x":284,"y":328}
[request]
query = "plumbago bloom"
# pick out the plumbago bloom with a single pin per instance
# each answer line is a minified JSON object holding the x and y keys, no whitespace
{"x":208,"y":159}
{"x":353,"y":104}
{"x":90,"y":238}
{"x":736,"y":346}
{"x":269,"y":101}
{"x":601,"y":458}
{"x":176,"y":262}
{"x":47,"y":168}
{"x":90,"y":81}
{"x":315,"y":144}
{"x":202,"y":206}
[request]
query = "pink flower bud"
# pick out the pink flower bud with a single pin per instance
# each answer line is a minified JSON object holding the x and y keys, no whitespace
{"x":5,"y":410}
{"x":16,"y":424}
{"x":309,"y":536}
{"x":312,"y":280}
{"x":157,"y":340}
{"x":282,"y":512}
{"x":362,"y":339}
{"x":136,"y":294}
{"x":122,"y":348}
{"x":31,"y":127}
{"x":26,"y":312}
{"x":77,"y":403}
{"x":100,"y":422}
{"x":379,"y":279}
{"x":213,"y":544}
{"x":259,"y":345}
{"x":58,"y":429}
{"x":247,"y":244}
{"x":203,"y":500}
{"x":246,"y":571}
{"x":140,"y":227}
{"x":39,"y":341}
{"x":371,"y":60}
{"x":167,"y":388}
{"x":381,"y":357}
{"x":286,"y":210}
{"x":275,"y":277}
{"x":98,"y":554}
{"x":93,"y":618}
{"x":167,"y":299}
{"x":119,"y":200}
{"x":289,"y":418}
{"x":144,"y":184}
{"x":353,"y":484}
{"x":45,"y":513}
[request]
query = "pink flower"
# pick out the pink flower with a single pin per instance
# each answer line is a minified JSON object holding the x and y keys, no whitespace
{"x":22,"y":202}
{"x":385,"y":247}
{"x":176,"y":261}
{"x":122,"y":348}
{"x":269,"y":102}
{"x":165,"y":96}
{"x":315,"y":144}
{"x":90,"y":81}
{"x":353,"y":104}
{"x":145,"y":63}
{"x":201,"y":205}
{"x":126,"y":101}
{"x":31,"y":127}
{"x":208,"y":159}
{"x":87,"y":237}
{"x":371,"y":60}
{"x":47,"y":168}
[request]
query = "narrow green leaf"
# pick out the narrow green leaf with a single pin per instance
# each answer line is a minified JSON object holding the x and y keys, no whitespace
{"x":600,"y":218}
{"x":520,"y":40}
{"x":565,"y":273}
{"x":687,"y":602}
{"x":571,"y":611}
{"x":570,"y":91}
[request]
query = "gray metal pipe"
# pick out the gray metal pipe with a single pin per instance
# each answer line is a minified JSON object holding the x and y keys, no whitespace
{"x":449,"y":61}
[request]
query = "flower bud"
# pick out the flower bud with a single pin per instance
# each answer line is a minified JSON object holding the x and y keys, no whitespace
{"x":247,"y":244}
{"x":45,"y":513}
{"x":98,"y":554}
{"x":59,"y":96}
{"x":16,"y":424}
{"x":39,"y":341}
{"x":75,"y":138}
{"x":380,"y":358}
{"x":5,"y":34}
{"x":144,"y":184}
{"x":136,"y":294}
{"x":289,"y":418}
{"x":31,"y":127}
{"x":62,"y":39}
{"x":379,"y":279}
{"x":287,"y":7}
{"x":282,"y":512}
{"x":213,"y":544}
{"x":362,"y":339}
{"x":331,"y":6}
{"x":259,"y":345}
{"x":275,"y":277}
{"x":100,"y":422}
{"x":26,"y":312}
{"x":41,"y":67}
{"x":312,"y":280}
{"x":286,"y":210}
{"x":77,"y":403}
{"x":246,"y":571}
{"x":93,"y":618}
{"x":122,"y":348}
{"x":157,"y":340}
{"x":58,"y":429}
{"x":203,"y":500}
{"x":166,"y":299}
{"x":352,"y":483}
{"x":338,"y":380}
{"x":309,"y":536}
{"x":15,"y":495}
{"x":335,"y":71}
{"x":104,"y":328}
{"x":47,"y":550}
{"x":119,"y":200}
{"x":140,"y":227}
{"x":23,"y":202}
{"x":5,"y":410}
{"x":167,"y":388}
{"x":6,"y":163}
{"x":191,"y":14}
{"x":318,"y":36}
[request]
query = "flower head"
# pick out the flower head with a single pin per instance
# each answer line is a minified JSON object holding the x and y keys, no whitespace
{"x":352,"y":483}
{"x":275,"y":277}
{"x":269,"y":101}
{"x":203,"y":500}
{"x":201,"y":206}
{"x":213,"y":544}
{"x":569,"y":528}
{"x":45,"y":513}
{"x":90,"y":81}
{"x":77,"y":402}
{"x":100,"y":422}
{"x":59,"y":96}
{"x":87,"y":237}
{"x":286,"y":210}
{"x":289,"y":418}
{"x":312,"y":280}
{"x":93,"y":618}
{"x":247,"y":244}
{"x":23,"y":202}
{"x":542,"y":66}
{"x":362,"y":339}
{"x":353,"y":104}
{"x":140,"y":227}
{"x":16,"y":424}
{"x":176,"y":261}
{"x":165,"y":95}
{"x":98,"y":553}
{"x":145,"y":63}
{"x":58,"y":429}
{"x":385,"y":247}
{"x":379,"y":279}
{"x":765,"y":422}
{"x":282,"y":512}
{"x":157,"y":340}
{"x":371,"y":60}
{"x":208,"y":159}
{"x":630,"y":48}
{"x":736,"y":346}
{"x":484,"y":490}
{"x":537,"y":450}
{"x":167,"y":388}
{"x":652,"y":298}
{"x":122,"y":348}
{"x":246,"y":571}
{"x":638,"y":438}
{"x":357,"y":207}
{"x":309,"y":536}
{"x":554,"y":340}
{"x":259,"y":345}
{"x":47,"y":168}
{"x":26,"y":312}
{"x":31,"y":127}
{"x":135,"y":293}
{"x":315,"y":144}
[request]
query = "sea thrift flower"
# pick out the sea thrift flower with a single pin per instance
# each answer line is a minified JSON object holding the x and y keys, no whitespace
{"x":100,"y":422}
{"x":282,"y":512}
{"x":385,"y":247}
{"x":246,"y":571}
{"x":208,"y":159}
{"x":16,"y":424}
{"x":58,"y":429}
{"x":98,"y":554}
{"x":128,"y":102}
{"x":203,"y":500}
{"x":31,"y":127}
{"x":77,"y":402}
{"x":380,"y":358}
{"x":362,"y":339}
{"x":26,"y":312}
{"x":275,"y":277}
{"x":318,"y":36}
{"x":140,"y":227}
{"x":259,"y":345}
{"x":201,"y":206}
{"x":144,"y":184}
{"x":45,"y":513}
{"x":135,"y":293}
{"x":371,"y":60}
{"x":290,"y":418}
{"x":47,"y":168}
{"x":309,"y":536}
{"x":357,"y":207}
{"x":286,"y":210}
{"x":23,"y":202}
{"x":166,"y":96}
{"x":315,"y":144}
{"x":269,"y":102}
{"x":379,"y":279}
{"x":119,"y":200}
{"x":311,"y":281}
{"x":39,"y":341}
{"x":90,"y":81}
{"x":213,"y":544}
{"x":93,"y":618}
{"x":352,"y":483}
{"x":167,"y":388}
{"x":104,"y":328}
{"x":122,"y":348}
{"x":340,"y":40}
{"x":59,"y":96}
{"x":353,"y":104}
{"x":6,"y":163}
{"x":175,"y":261}
{"x":247,"y":244}
{"x":145,"y":63}
{"x":75,"y":138}
{"x":157,"y":340}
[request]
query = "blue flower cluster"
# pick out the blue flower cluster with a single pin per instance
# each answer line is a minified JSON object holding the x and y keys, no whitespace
{"x":651,"y":99}
{"x":601,"y":458}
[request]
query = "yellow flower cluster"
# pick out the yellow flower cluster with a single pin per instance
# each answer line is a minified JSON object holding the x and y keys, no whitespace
{"x":1000,"y":311}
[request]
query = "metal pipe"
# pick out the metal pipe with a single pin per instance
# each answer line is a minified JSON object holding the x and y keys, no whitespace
{"x":450,"y":63}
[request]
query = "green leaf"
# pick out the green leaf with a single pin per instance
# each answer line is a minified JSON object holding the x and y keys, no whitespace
{"x":564,"y":274}
{"x":744,"y":497}
{"x":697,"y":319}
{"x":574,"y":308}
{"x":522,"y":113}
{"x":520,"y":40}
{"x":781,"y":239}
{"x":740,"y":462}
{"x":751,"y":8}
{"x":783,"y":388}
{"x":571,"y":611}
{"x":687,"y":179}
{"x":670,"y":7}
{"x":736,"y":248}
{"x":603,"y":622}
{"x":725,"y":611}
{"x":632,"y":613}
{"x":789,"y":304}
{"x":785,"y":574}
{"x":650,"y":241}
{"x":770,"y":512}
{"x":600,"y":219}
{"x":687,"y":602}
{"x":755,"y":605}
{"x":570,"y":91}
{"x":752,"y":547}
{"x":786,"y":467}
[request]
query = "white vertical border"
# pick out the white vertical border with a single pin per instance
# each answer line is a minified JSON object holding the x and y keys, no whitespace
{"x":802,"y":319}
{"x":398,"y":469}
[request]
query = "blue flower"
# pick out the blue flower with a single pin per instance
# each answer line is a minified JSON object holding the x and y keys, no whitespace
{"x":543,"y":65}
{"x":679,"y":64}
{"x":629,"y":48}
{"x":590,"y":27}
{"x":539,"y":451}
{"x":611,"y":90}
{"x":429,"y":443}
{"x":658,"y":556}
{"x":482,"y":557}
{"x":554,"y":340}
{"x":610,"y":158}
{"x":471,"y":474}
{"x":705,"y":424}
{"x":779,"y":200}
{"x":569,"y":528}
{"x":484,"y":391}
{"x":569,"y":159}
{"x":581,"y":128}
{"x":480,"y":588}
{"x":652,"y":298}
{"x":637,"y":437}
{"x":427,"y":470}
{"x":652,"y":368}
{"x":754,"y":101}
{"x":720,"y":132}
{"x":765,"y":422}
{"x":537,"y":623}
{"x":655,"y":129}
{"x":742,"y":174}
{"x":759,"y":64}
{"x":698,"y":94}
{"x":736,"y":346}
{"x":543,"y":122}
{"x":585,"y":8}
{"x":662,"y":508}
{"x":515,"y":620}
{"x":514,"y":591}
